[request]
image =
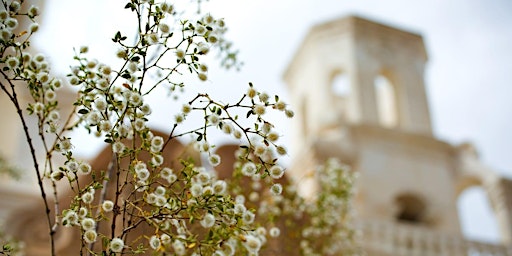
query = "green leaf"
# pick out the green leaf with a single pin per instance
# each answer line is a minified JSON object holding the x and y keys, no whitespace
{"x":83,"y":111}
{"x":132,"y":6}
{"x":117,"y":37}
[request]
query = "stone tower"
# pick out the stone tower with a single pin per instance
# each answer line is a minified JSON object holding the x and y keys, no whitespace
{"x":358,"y":87}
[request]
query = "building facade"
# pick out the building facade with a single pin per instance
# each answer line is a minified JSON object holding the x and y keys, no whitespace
{"x":360,"y":94}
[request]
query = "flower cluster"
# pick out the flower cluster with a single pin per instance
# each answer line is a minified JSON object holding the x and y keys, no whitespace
{"x":323,"y":224}
{"x":173,"y":217}
{"x":173,"y":203}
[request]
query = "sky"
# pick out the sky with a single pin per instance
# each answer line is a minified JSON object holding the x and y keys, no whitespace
{"x":468,"y":74}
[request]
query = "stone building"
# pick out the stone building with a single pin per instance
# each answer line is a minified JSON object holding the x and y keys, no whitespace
{"x":359,"y":94}
{"x":359,"y":90}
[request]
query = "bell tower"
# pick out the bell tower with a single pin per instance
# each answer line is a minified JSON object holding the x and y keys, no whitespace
{"x":359,"y":92}
{"x":382,"y":70}
{"x":360,"y":97}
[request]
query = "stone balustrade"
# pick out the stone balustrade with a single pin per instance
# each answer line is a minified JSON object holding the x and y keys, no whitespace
{"x":384,"y":238}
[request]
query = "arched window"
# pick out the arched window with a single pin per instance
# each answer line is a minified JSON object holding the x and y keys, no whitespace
{"x":411,"y":209}
{"x":341,"y":84}
{"x":386,"y":102}
{"x":477,"y":219}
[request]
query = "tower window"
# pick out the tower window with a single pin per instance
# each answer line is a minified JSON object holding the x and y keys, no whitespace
{"x":341,"y":85}
{"x":386,"y":102}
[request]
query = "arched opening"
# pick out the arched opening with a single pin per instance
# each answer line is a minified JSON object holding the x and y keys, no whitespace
{"x":339,"y":96}
{"x":340,"y":84}
{"x":410,"y":209}
{"x":386,"y":102}
{"x":477,"y":218}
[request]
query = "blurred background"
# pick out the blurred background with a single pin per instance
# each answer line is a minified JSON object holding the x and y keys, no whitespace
{"x":468,"y":75}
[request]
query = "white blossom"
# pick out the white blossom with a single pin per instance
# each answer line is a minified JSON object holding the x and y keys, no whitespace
{"x":214,"y":159}
{"x":196,"y":190}
{"x":276,"y":172}
{"x":276,"y":189}
{"x":259,"y":109}
{"x":252,"y":243}
{"x":219,"y":187}
{"x":208,"y":220}
{"x":90,"y":236}
{"x":116,"y":245}
{"x":70,"y":218}
{"x":274,"y":232}
{"x":88,"y":224}
{"x":107,"y":206}
{"x":87,"y":197}
{"x":249,"y":169}
{"x":154,"y":242}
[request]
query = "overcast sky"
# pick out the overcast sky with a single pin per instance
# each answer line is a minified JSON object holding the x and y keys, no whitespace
{"x":468,"y":76}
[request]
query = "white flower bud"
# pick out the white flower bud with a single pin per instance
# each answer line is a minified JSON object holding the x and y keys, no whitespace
{"x":259,"y":109}
{"x":85,"y":168}
{"x":164,"y":28}
{"x":249,"y":169}
{"x":90,"y":236}
{"x":252,"y":243}
{"x":200,"y":29}
{"x":107,"y":206}
{"x":208,"y":220}
{"x":276,"y":189}
{"x":154,"y":242}
{"x":276,"y":172}
{"x":116,"y":245}
{"x":289,"y":113}
{"x":274,"y":232}
{"x":12,"y":62}
{"x":202,"y":76}
{"x":88,"y":224}
{"x":11,"y":23}
{"x":33,"y":11}
{"x":121,"y":53}
{"x":214,"y":119}
{"x":180,"y":54}
{"x":15,"y":6}
{"x":87,"y":197}
{"x":214,"y":159}
{"x":34,"y":27}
